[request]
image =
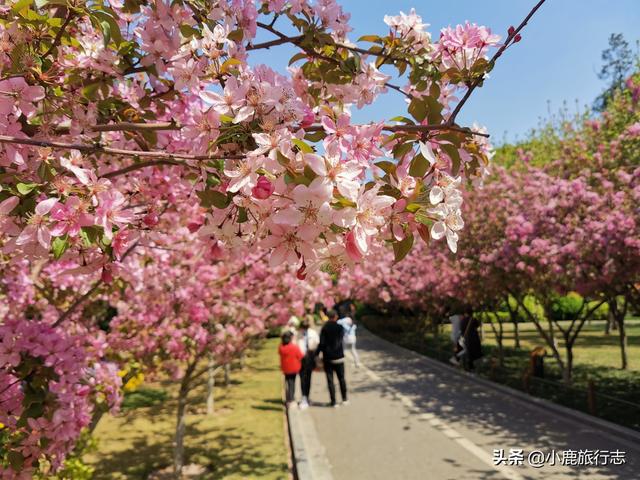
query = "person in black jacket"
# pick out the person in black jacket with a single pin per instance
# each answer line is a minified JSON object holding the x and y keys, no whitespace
{"x":472,"y":345}
{"x":332,"y":351}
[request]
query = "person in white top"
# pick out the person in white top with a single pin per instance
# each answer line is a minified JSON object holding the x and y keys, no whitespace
{"x":308,"y":341}
{"x":456,"y":334}
{"x":349,"y":339}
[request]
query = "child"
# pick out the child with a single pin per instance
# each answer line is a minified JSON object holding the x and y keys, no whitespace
{"x":290,"y":363}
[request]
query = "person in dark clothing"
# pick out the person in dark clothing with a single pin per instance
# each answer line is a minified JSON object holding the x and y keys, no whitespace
{"x":332,"y":351}
{"x":470,"y":339}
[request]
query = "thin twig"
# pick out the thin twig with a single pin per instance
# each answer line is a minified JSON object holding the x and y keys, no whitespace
{"x":141,"y":165}
{"x":58,"y":38}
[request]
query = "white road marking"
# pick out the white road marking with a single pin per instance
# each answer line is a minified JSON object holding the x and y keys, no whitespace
{"x":442,"y":426}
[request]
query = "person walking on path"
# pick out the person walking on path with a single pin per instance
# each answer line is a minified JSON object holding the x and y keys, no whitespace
{"x":308,"y":342}
{"x":331,"y":347}
{"x":470,"y":340}
{"x":349,"y":340}
{"x":290,"y":364}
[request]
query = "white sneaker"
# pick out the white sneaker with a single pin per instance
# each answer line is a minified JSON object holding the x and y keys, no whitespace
{"x":337,"y":405}
{"x":345,"y":402}
{"x":304,"y":404}
{"x":454,"y":360}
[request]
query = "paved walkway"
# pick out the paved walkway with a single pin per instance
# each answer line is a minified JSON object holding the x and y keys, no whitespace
{"x":409,"y":418}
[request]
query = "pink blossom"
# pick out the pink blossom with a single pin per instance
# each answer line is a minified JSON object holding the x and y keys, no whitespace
{"x":111,"y":212}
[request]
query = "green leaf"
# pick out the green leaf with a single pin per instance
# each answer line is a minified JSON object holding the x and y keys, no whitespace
{"x":242,"y":215}
{"x":282,"y":160}
{"x":418,"y":109}
{"x":315,"y":136}
{"x":209,"y":198}
{"x":236,"y":35}
{"x":18,"y":6}
{"x":400,"y":118}
{"x":422,"y":216}
{"x":25,"y":188}
{"x":302,"y":145}
{"x":370,"y":38}
{"x":59,"y":245}
{"x":386,"y":166}
{"x":106,"y":31}
{"x":402,"y":248}
{"x":16,"y":460}
{"x":296,"y":57}
{"x":46,"y":172}
{"x":187,"y":31}
{"x":419,"y":166}
{"x":91,"y":235}
{"x":454,"y":154}
{"x":401,"y":149}
{"x":228,"y":63}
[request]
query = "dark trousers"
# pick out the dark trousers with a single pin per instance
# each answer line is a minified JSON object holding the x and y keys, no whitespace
{"x":308,"y":364}
{"x":329,"y":368}
{"x":290,"y":386}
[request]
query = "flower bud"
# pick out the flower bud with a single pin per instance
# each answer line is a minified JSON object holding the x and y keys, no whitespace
{"x":263,"y":189}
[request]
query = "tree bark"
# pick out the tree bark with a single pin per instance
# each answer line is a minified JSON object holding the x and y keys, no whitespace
{"x":544,"y":334}
{"x":227,"y":373}
{"x":568,"y":367}
{"x":178,"y":453}
{"x":211,"y":383}
{"x":618,"y":315}
{"x":513,"y":315}
{"x":499,"y":334}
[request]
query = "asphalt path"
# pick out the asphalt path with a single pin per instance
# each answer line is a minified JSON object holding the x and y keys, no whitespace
{"x":411,"y":418}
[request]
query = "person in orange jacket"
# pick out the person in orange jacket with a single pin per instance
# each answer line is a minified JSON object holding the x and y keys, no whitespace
{"x":290,"y":364}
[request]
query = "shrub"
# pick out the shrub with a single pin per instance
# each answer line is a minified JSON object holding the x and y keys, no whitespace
{"x":601,"y":313}
{"x":143,"y":397}
{"x":566,"y":307}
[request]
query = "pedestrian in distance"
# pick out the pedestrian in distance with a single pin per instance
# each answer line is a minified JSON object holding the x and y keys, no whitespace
{"x":349,"y":340}
{"x":331,"y":347}
{"x":290,"y":364}
{"x":470,"y":340}
{"x":308,"y":341}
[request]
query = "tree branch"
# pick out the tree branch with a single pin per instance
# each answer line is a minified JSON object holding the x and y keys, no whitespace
{"x":114,"y":151}
{"x":141,"y":165}
{"x":497,"y":55}
{"x":58,"y":38}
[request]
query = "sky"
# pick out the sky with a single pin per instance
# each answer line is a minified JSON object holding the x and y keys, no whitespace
{"x":557,"y":60}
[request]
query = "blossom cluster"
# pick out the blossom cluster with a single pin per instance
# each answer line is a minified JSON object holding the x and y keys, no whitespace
{"x":275,"y":159}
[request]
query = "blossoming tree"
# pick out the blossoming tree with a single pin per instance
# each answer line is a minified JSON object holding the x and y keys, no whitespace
{"x":124,"y":122}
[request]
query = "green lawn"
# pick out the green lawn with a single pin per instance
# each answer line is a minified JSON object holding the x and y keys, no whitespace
{"x":245,"y":438}
{"x":592,"y":346}
{"x":596,"y":359}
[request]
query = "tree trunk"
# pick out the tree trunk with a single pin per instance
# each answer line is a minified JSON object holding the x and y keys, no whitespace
{"x":498,"y":334}
{"x":243,"y":360}
{"x":618,"y":315}
{"x":550,"y":341}
{"x":211,"y":383}
{"x":516,"y":334}
{"x":513,"y":315}
{"x":568,"y":366}
{"x":178,"y":453}
{"x":623,"y":344}
{"x":227,"y":373}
